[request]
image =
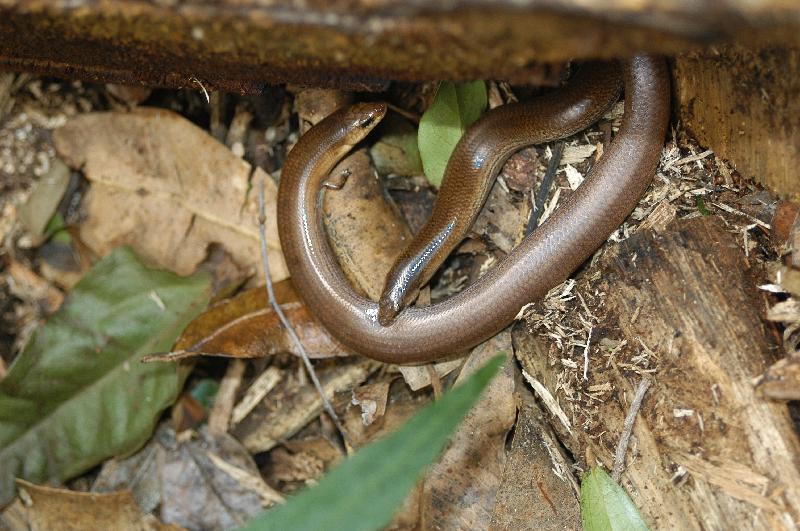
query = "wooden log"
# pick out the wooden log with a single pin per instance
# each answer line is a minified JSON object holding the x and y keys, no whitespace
{"x":240,"y":46}
{"x":681,"y":309}
{"x":744,"y":105}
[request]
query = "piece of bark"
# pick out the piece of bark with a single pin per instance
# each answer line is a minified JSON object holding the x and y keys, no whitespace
{"x":536,"y":490}
{"x":239,"y":47}
{"x":706,"y":451}
{"x":782,"y":380}
{"x":743,"y":104}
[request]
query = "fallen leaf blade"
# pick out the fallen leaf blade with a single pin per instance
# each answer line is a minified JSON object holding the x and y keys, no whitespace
{"x":246,"y":327}
{"x":379,"y":476}
{"x":78,"y":393}
{"x":472,"y":101}
{"x":605,"y":506}
{"x":454,"y":109}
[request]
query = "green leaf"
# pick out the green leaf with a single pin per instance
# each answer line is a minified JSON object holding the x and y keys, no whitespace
{"x":605,"y":506}
{"x":701,"y":206}
{"x":205,"y":391}
{"x":455,"y":107}
{"x":78,"y":393}
{"x":57,"y":229}
{"x":366,"y":490}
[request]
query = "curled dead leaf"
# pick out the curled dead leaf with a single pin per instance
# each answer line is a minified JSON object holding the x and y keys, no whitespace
{"x":54,"y":508}
{"x":245,"y":326}
{"x":168,"y":189}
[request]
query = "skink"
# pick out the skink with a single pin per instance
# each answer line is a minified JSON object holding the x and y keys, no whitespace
{"x":543,"y":260}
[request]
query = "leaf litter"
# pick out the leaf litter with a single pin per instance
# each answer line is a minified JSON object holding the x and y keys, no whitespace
{"x":159,"y":199}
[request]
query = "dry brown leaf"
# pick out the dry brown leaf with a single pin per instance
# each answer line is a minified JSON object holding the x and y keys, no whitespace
{"x":245,"y":326}
{"x":419,"y":376}
{"x":167,"y":188}
{"x":47,"y":508}
{"x":198,"y":480}
{"x":314,"y":104}
{"x":402,"y":405}
{"x":503,"y":220}
{"x":365,"y":231}
{"x":303,"y":460}
{"x":371,"y":399}
{"x":460,"y":489}
{"x":536,"y":490}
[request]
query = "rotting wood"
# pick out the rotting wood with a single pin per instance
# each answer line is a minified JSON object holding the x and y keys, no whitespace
{"x":681,"y":308}
{"x":744,"y":105}
{"x":240,"y":46}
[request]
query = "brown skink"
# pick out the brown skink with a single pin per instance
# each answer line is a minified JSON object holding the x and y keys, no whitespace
{"x":543,"y":260}
{"x":475,"y":163}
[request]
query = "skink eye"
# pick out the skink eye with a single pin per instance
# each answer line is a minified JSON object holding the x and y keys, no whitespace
{"x":366,"y":122}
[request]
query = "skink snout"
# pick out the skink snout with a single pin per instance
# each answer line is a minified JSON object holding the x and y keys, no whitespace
{"x":388,"y":308}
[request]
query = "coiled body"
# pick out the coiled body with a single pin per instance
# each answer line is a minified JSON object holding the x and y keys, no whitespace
{"x":475,"y":163}
{"x":543,"y":260}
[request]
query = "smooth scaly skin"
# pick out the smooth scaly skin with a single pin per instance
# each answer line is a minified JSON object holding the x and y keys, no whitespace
{"x":475,"y":163}
{"x":543,"y":260}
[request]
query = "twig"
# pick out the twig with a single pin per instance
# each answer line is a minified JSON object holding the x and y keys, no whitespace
{"x":544,"y":188}
{"x":436,"y":382}
{"x":586,"y":356}
{"x":627,"y":428}
{"x":404,"y":113}
{"x":202,"y":87}
{"x":731,"y":210}
{"x":262,"y":217}
{"x":548,"y":399}
{"x":220,"y":417}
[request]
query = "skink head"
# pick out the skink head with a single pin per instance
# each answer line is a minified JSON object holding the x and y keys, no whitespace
{"x":359,"y":119}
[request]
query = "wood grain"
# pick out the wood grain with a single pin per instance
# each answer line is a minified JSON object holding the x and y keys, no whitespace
{"x":744,"y":105}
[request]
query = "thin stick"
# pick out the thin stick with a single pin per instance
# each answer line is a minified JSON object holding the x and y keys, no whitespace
{"x":586,"y":356}
{"x":262,"y":218}
{"x":544,"y":188}
{"x":404,"y":113}
{"x":220,"y":417}
{"x":630,"y":418}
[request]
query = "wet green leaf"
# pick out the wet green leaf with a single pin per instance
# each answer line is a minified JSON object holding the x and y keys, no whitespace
{"x":205,"y":391}
{"x":78,"y":393}
{"x":365,"y":491}
{"x":605,"y":506}
{"x":455,"y":108}
{"x":57,"y":229}
{"x":701,"y":206}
